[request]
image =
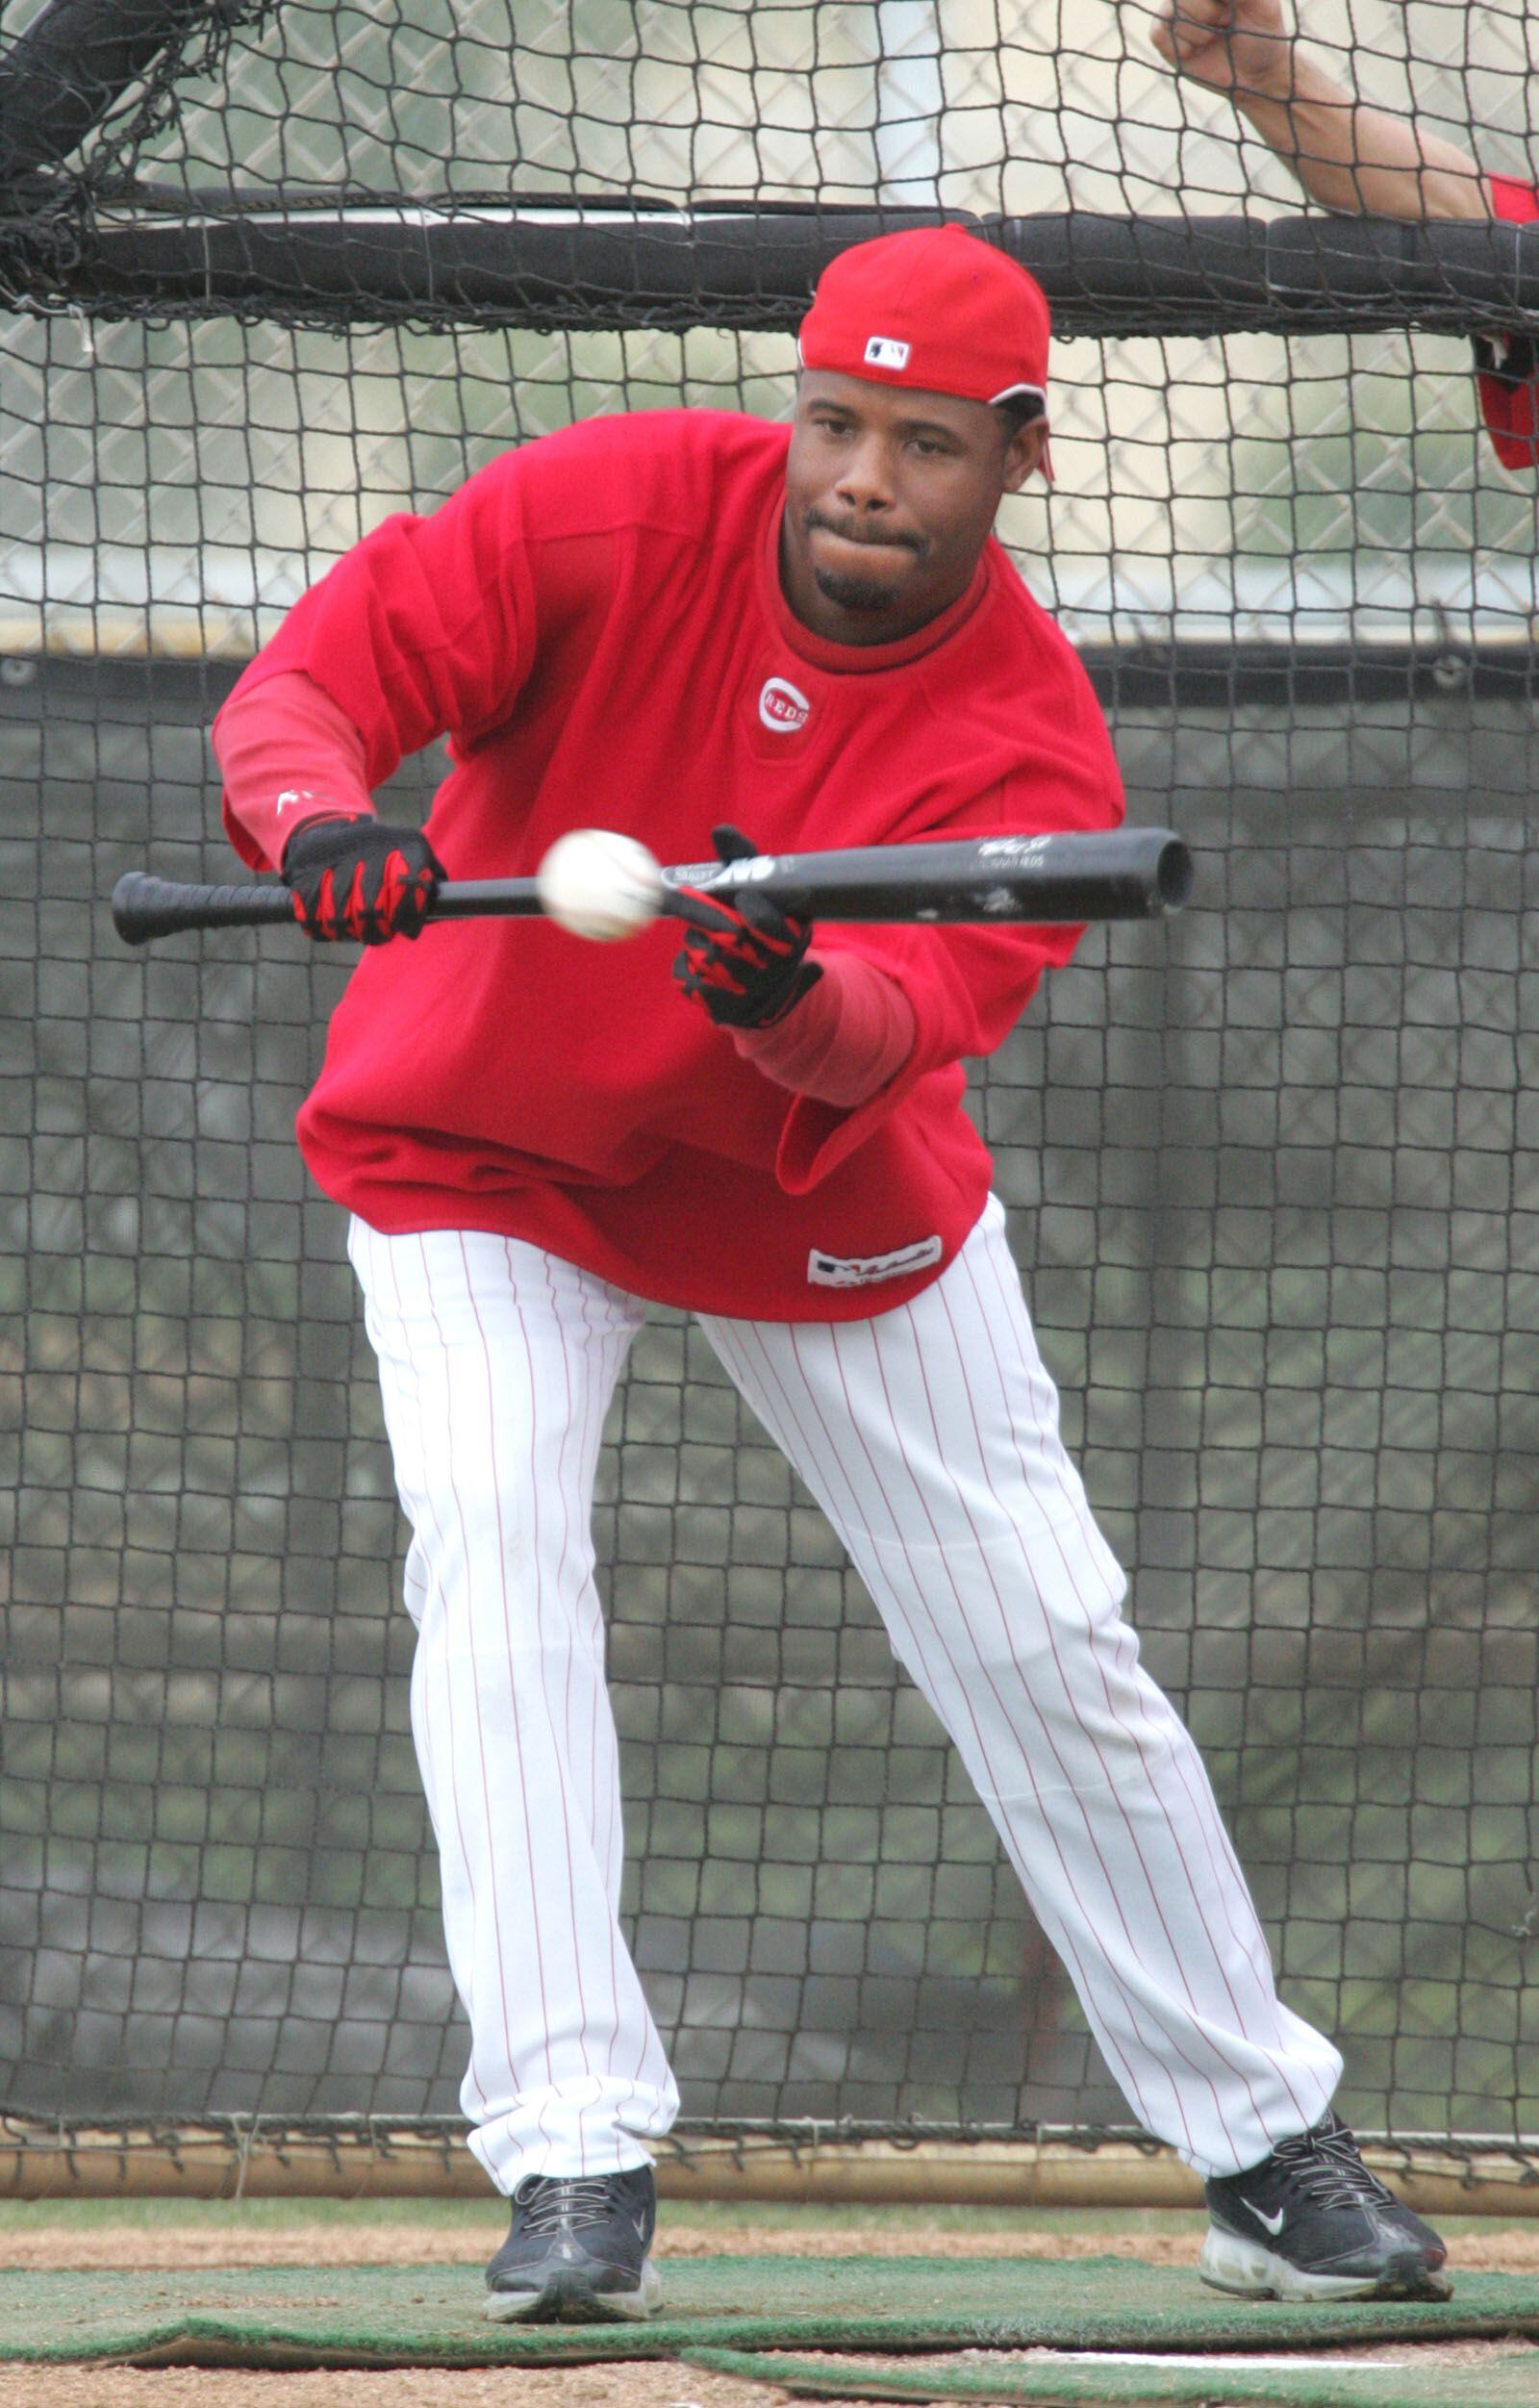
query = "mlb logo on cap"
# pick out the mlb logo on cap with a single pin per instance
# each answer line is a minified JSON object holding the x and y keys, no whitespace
{"x":886,"y":351}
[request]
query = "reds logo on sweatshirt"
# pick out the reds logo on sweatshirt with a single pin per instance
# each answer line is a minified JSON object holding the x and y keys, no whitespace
{"x":782,"y":706}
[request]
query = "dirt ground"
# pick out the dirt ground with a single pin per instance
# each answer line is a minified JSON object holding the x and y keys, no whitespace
{"x":656,"y":2385}
{"x":660,"y":2383}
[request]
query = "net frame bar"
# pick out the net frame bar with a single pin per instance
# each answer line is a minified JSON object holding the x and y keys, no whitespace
{"x":602,"y":263}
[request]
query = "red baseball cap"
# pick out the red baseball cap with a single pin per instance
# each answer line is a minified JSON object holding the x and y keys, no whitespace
{"x":938,"y":310}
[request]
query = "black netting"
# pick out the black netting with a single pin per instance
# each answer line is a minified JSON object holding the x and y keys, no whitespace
{"x":1273,"y":1166}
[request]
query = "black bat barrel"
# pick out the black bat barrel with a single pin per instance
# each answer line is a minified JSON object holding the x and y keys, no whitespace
{"x":1130,"y":873}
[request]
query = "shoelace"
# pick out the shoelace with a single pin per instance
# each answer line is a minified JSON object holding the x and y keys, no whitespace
{"x":1327,"y":2169}
{"x":561,"y":2204}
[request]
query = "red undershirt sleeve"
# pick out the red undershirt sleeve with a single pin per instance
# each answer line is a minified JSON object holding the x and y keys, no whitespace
{"x":1507,"y":378}
{"x":966,"y":988}
{"x":289,"y":754}
{"x":849,"y":1034}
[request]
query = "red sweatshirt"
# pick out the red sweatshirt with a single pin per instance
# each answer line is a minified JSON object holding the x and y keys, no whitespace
{"x":1509,"y":388}
{"x":596,"y":622}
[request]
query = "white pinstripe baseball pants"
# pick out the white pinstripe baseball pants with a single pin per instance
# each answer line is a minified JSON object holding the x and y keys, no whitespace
{"x":929,"y":1435}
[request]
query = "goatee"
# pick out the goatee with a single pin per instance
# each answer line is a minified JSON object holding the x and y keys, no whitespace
{"x":858,"y":594}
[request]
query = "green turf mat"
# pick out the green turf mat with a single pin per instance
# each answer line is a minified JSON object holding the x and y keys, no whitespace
{"x":1108,"y":2383}
{"x":431,"y":2315}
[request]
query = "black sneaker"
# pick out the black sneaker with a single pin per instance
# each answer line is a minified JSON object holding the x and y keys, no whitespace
{"x":1311,"y":2222}
{"x":577,"y":2250}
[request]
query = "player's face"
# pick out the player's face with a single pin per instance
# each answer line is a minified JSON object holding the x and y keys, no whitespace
{"x":890,"y":497}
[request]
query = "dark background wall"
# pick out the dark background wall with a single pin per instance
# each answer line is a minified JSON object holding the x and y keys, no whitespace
{"x":1272,"y":1182}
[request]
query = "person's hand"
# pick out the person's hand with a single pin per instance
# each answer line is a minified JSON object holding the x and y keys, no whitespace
{"x":742,"y":959}
{"x":1231,"y":45}
{"x":360,"y":878}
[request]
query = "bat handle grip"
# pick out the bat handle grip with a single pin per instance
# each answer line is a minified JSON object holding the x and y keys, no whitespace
{"x":146,"y":907}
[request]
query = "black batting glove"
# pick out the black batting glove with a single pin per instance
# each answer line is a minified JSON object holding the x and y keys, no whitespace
{"x":743,"y":965}
{"x":359,"y":879}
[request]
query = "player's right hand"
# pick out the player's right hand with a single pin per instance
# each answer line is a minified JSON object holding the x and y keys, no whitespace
{"x":743,"y":959}
{"x":1232,"y":45}
{"x":359,"y":879}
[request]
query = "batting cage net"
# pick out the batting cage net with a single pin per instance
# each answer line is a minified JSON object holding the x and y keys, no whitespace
{"x":274,"y":271}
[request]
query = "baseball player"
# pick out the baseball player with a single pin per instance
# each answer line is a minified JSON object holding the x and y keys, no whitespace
{"x":1359,"y":160}
{"x":674,"y":622}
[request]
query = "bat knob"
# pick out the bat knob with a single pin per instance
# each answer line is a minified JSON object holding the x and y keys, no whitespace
{"x":135,"y":914}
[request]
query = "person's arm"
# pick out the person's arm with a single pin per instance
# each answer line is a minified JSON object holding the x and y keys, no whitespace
{"x":850,"y":1033}
{"x":965,"y":986}
{"x":425,"y":628}
{"x":825,"y":1026}
{"x":296,"y":800}
{"x":289,"y":756}
{"x":1347,"y":154}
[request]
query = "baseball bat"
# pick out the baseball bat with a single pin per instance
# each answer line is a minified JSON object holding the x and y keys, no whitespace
{"x":1132,"y":873}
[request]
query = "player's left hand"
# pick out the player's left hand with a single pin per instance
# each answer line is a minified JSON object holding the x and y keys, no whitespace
{"x":742,"y":958}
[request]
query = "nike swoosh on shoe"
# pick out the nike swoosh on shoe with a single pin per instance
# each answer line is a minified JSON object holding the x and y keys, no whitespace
{"x":1273,"y":2225}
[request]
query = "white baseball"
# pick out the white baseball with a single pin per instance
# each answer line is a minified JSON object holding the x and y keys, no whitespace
{"x":598,"y":884}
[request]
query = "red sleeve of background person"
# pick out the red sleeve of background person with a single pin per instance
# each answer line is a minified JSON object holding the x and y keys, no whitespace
{"x":1510,"y":406}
